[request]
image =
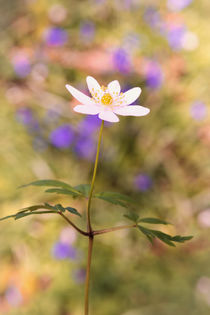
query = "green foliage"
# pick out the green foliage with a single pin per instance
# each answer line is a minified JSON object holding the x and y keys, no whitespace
{"x":132,"y":216}
{"x":81,"y":190}
{"x":115,"y":198}
{"x":73,"y":193}
{"x":153,"y":221}
{"x":84,"y":189}
{"x":21,"y":215}
{"x":151,"y":234}
{"x":48,"y":209}
{"x":166,"y":238}
{"x":48,"y":182}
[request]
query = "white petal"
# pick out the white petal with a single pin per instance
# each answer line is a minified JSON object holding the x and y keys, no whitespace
{"x":81,"y":97}
{"x":93,"y":86}
{"x":135,"y":110}
{"x":114,"y":88}
{"x":86,"y":109}
{"x":131,"y":95}
{"x":108,"y":116}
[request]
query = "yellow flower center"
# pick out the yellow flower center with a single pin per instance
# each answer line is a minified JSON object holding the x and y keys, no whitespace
{"x":107,"y":99}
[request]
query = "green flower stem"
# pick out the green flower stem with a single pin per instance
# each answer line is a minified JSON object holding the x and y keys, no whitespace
{"x":97,"y":232}
{"x":93,"y":178}
{"x":89,"y":228}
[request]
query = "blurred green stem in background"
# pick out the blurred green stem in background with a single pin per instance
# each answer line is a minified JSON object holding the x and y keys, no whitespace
{"x":89,"y":228}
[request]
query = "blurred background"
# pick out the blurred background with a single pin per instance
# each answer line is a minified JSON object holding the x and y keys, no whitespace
{"x":162,"y":159}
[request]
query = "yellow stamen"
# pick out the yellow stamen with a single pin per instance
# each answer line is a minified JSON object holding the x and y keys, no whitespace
{"x":107,"y":99}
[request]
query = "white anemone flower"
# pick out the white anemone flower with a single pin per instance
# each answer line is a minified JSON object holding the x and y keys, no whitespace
{"x":107,"y":102}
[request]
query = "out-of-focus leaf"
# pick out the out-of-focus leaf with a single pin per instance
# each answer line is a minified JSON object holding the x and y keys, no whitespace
{"x":132,"y":216}
{"x":49,"y":183}
{"x":84,"y":189}
{"x":153,"y":221}
{"x":75,"y":192}
{"x":72,"y":193}
{"x":8,"y":217}
{"x":34,"y":208}
{"x":60,"y":187}
{"x":114,"y":198}
{"x":50,"y":207}
{"x":21,"y":215}
{"x":166,"y":238}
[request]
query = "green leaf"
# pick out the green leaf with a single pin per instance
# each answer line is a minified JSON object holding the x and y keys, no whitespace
{"x":115,"y":198}
{"x":132,"y":216}
{"x":8,"y":217}
{"x":48,"y":206}
{"x":33,"y":210}
{"x":48,"y":182}
{"x":153,"y":221}
{"x":69,"y":209}
{"x":167,"y":239}
{"x":73,"y":192}
{"x":147,"y":233}
{"x":60,"y":187}
{"x":84,"y":189}
{"x":73,"y":210}
{"x":181,"y":239}
{"x":59,"y":207}
{"x":21,"y":215}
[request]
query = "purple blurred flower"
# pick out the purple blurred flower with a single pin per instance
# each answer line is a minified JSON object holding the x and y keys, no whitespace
{"x":56,"y":36}
{"x":64,"y":251}
{"x":175,"y":36}
{"x":89,"y":124}
{"x":87,"y":31}
{"x":85,"y":147}
{"x":79,"y":275}
{"x":153,"y":75}
{"x":22,"y":66}
{"x":198,"y":110}
{"x":122,"y":61}
{"x":62,"y":137}
{"x":13,"y":296}
{"x":24,"y":115}
{"x":153,"y":18}
{"x":178,"y":5}
{"x":143,"y":182}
